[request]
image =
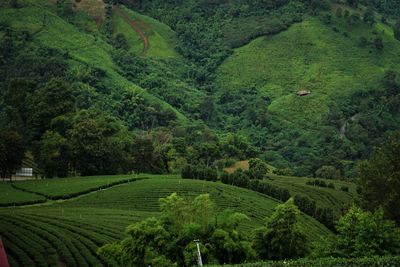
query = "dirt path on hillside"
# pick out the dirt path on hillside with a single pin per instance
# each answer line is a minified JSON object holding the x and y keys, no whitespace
{"x":135,"y":26}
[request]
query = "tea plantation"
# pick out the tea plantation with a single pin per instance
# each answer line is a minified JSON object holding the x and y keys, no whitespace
{"x":69,"y":231}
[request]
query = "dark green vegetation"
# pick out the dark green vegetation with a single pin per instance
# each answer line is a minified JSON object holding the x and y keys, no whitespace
{"x":86,"y":103}
{"x":11,"y":196}
{"x":380,"y":176}
{"x":328,"y":262}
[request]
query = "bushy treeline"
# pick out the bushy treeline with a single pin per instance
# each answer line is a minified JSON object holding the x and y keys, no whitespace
{"x":320,"y":183}
{"x":324,"y":215}
{"x":199,"y":173}
{"x":388,"y":7}
{"x":242,"y":179}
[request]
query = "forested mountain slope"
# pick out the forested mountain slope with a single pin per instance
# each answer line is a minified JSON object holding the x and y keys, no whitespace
{"x":350,"y":105}
{"x":202,"y":82}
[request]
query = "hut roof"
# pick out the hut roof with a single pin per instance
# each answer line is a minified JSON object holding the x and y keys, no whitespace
{"x":303,"y":93}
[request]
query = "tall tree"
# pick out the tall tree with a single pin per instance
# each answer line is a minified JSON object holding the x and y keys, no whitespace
{"x":281,"y":238}
{"x":54,"y":156}
{"x":396,"y":30}
{"x":143,"y":154}
{"x":12,"y":145}
{"x":365,"y":234}
{"x":55,"y":98}
{"x":380,"y":179}
{"x":369,"y":16}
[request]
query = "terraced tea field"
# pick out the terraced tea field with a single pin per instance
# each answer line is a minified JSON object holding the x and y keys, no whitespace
{"x":67,"y":187}
{"x":10,"y":196}
{"x":68,"y":232}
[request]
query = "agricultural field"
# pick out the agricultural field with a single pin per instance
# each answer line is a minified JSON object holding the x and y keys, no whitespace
{"x":69,"y":231}
{"x":10,"y":196}
{"x":61,"y":187}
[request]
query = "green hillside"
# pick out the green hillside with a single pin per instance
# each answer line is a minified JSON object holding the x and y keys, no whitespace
{"x":328,"y":61}
{"x":70,"y":231}
{"x":83,"y":48}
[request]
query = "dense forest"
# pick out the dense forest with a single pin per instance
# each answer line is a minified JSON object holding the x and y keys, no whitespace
{"x":56,"y":106}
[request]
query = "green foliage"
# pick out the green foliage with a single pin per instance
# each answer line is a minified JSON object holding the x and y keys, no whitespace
{"x":120,"y":42}
{"x":389,"y":7}
{"x":281,"y":238}
{"x":52,"y":100}
{"x":369,"y":16}
{"x":378,"y":42}
{"x":328,"y":262}
{"x":364,"y":234}
{"x":168,"y":241}
{"x":54,"y":155}
{"x":328,"y":172}
{"x":379,"y":178}
{"x":99,"y":144}
{"x":258,"y":168}
{"x":199,"y":172}
{"x":396,"y":30}
{"x":12,"y":145}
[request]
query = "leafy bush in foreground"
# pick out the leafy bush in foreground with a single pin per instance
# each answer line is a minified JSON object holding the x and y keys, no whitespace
{"x":328,"y":262}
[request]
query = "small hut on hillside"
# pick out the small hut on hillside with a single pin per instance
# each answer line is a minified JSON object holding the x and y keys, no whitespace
{"x":303,"y":93}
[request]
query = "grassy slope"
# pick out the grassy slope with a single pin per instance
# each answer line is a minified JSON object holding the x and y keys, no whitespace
{"x":161,"y":38}
{"x":309,"y":56}
{"x":52,"y":31}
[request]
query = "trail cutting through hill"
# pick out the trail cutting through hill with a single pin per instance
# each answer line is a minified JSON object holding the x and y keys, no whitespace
{"x":135,"y":26}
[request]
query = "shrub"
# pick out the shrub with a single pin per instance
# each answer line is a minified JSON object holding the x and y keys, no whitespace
{"x":344,"y":188}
